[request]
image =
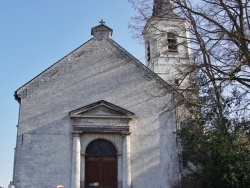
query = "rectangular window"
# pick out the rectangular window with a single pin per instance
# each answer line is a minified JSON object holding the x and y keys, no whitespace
{"x":148,"y":51}
{"x":172,"y":42}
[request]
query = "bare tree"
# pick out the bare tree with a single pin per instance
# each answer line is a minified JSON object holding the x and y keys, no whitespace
{"x":219,"y":42}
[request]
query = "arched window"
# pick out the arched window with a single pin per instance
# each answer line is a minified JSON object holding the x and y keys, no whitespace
{"x":101,"y":147}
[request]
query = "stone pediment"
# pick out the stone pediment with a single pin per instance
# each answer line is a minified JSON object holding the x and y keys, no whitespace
{"x":101,"y":109}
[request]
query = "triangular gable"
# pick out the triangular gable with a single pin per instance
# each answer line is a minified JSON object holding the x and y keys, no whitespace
{"x":149,"y":73}
{"x":101,"y":109}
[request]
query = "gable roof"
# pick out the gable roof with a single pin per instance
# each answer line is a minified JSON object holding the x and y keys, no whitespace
{"x":149,"y":73}
{"x":17,"y":98}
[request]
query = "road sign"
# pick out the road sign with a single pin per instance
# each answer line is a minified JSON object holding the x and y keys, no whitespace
{"x":60,"y":186}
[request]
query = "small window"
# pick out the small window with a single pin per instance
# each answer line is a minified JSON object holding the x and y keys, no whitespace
{"x":172,"y":42}
{"x":176,"y":81}
{"x":168,"y":43}
{"x":148,"y":51}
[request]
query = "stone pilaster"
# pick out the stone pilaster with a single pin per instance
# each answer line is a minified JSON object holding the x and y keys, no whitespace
{"x":76,"y":161}
{"x":126,"y":162}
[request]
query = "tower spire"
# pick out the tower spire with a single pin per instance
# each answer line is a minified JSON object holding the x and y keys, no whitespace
{"x":163,"y":8}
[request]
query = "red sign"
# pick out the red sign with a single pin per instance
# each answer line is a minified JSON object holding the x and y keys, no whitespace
{"x":60,"y":186}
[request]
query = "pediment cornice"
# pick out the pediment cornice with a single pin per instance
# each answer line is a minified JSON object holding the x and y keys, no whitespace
{"x":101,"y":109}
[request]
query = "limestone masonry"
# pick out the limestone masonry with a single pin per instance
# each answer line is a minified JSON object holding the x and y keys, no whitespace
{"x":100,"y":118}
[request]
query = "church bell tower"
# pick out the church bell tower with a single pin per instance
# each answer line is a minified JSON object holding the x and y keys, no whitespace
{"x":166,"y":45}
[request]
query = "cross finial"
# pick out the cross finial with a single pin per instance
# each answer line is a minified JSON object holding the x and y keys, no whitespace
{"x":102,"y":22}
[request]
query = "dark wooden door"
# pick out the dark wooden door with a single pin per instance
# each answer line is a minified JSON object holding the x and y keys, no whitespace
{"x":101,"y":172}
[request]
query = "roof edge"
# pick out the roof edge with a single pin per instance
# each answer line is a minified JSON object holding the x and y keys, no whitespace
{"x":15,"y":93}
{"x":146,"y":69}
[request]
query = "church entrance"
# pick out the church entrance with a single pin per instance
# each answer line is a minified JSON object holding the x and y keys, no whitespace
{"x":101,"y":172}
{"x":101,"y":165}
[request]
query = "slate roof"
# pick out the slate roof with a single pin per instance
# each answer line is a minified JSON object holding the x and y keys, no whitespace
{"x":150,"y":74}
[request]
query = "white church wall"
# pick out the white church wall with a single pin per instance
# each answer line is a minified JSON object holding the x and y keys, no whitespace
{"x":99,"y":70}
{"x":40,"y":155}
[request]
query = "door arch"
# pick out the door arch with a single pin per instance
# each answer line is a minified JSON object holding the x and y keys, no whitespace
{"x":101,"y":164}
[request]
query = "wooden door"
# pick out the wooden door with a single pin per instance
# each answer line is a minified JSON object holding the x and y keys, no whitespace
{"x":101,"y":172}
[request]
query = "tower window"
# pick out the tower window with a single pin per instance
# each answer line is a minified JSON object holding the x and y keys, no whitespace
{"x":176,"y":81}
{"x":148,"y":52}
{"x":172,"y":42}
{"x":168,"y":43}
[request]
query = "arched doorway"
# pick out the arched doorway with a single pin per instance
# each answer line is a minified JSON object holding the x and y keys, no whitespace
{"x":101,"y":164}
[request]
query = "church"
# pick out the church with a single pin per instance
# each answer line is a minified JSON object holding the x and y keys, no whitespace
{"x":100,"y":118}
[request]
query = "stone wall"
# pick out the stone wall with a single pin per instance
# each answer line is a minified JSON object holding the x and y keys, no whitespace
{"x":98,"y":70}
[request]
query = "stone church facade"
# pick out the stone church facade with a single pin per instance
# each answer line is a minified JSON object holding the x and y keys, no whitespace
{"x":100,"y":118}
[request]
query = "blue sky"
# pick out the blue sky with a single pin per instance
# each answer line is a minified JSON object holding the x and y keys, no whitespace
{"x":34,"y":34}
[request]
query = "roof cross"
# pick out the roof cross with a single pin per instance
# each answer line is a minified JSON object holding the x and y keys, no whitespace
{"x":102,"y":22}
